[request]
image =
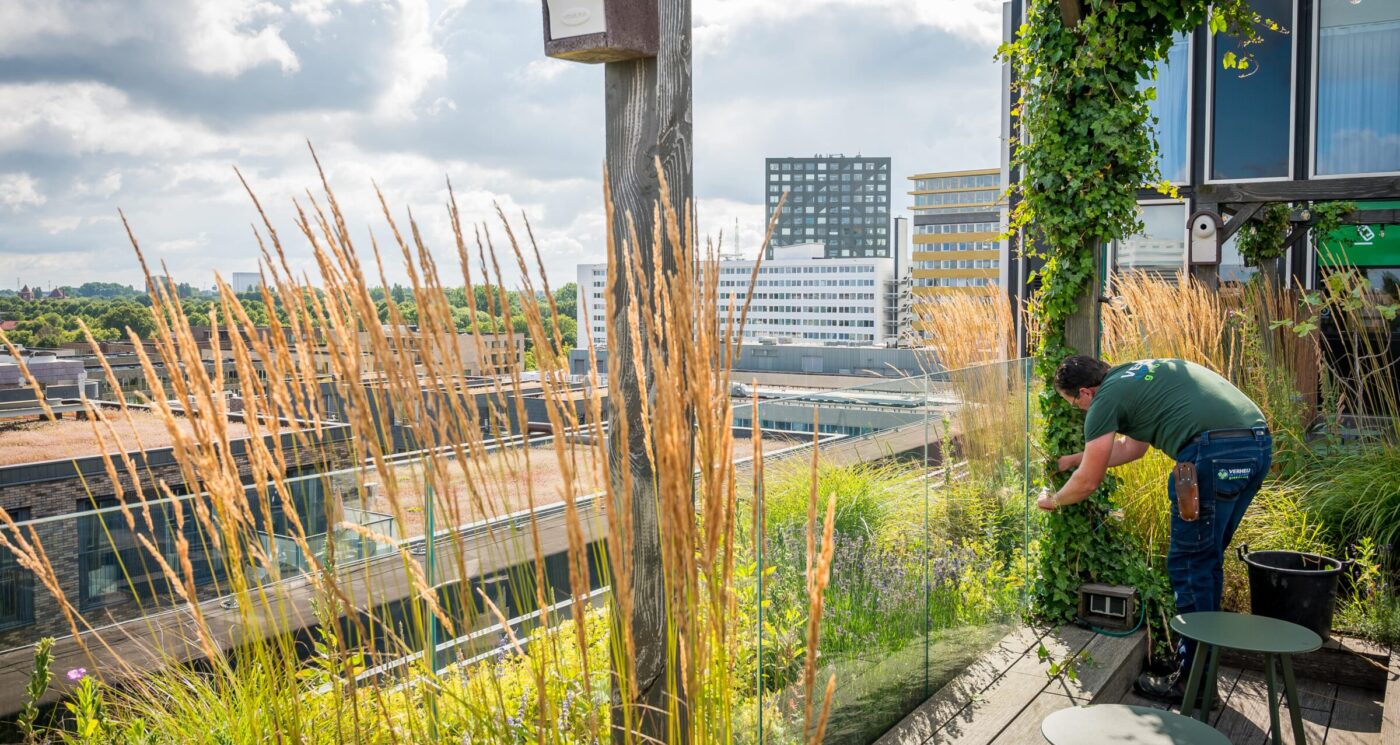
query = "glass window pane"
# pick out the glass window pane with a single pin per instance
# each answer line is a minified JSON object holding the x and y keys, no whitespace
{"x":1161,"y":247}
{"x":1358,"y":87}
{"x":1169,"y":109}
{"x":16,"y":582}
{"x":1252,"y":107}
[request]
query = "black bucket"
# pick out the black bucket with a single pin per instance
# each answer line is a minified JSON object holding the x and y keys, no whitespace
{"x":1293,"y":586}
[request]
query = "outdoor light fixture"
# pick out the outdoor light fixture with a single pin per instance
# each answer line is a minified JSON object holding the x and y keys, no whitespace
{"x":600,"y":30}
{"x":1205,"y":238}
{"x":1111,"y":607}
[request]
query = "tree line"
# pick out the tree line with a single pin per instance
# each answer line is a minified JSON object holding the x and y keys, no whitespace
{"x":109,"y":309}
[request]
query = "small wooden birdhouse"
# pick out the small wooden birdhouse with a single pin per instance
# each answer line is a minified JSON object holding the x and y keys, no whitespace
{"x":600,"y":30}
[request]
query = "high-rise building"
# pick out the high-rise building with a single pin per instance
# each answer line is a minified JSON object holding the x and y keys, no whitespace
{"x":801,"y":295}
{"x":841,"y":202}
{"x":959,"y":217}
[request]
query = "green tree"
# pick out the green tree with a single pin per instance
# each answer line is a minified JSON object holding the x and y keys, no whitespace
{"x":123,"y":316}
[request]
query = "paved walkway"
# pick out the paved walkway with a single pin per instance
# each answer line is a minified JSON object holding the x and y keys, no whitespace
{"x":1332,"y":714}
{"x":1002,"y":698}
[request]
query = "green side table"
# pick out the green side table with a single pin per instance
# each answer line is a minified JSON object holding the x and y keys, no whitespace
{"x":1277,"y":640}
{"x":1118,"y":723}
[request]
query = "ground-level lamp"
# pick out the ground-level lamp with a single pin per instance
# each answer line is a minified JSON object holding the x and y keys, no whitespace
{"x":601,"y":30}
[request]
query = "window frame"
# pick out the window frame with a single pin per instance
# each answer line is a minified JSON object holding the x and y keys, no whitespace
{"x":25,"y":581}
{"x":1212,"y":71}
{"x":1191,"y":105}
{"x":1111,"y":265}
{"x":1314,"y":37}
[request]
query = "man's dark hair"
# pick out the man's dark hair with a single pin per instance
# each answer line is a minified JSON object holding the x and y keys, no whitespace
{"x":1080,"y":371}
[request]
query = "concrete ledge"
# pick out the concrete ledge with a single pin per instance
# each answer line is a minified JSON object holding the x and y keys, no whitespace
{"x":1003,"y":696}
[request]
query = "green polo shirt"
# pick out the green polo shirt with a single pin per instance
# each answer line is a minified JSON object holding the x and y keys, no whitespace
{"x":1167,"y":402}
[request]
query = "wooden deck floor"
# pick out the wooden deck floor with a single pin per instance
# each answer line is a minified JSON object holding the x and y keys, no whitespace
{"x":1332,"y":714}
{"x":1002,"y":698}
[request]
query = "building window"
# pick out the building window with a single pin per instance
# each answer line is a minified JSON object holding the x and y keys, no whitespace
{"x":16,"y":584}
{"x":1169,"y":109}
{"x":109,"y":552}
{"x":1358,"y":88}
{"x":1252,"y":109}
{"x":1161,"y":247}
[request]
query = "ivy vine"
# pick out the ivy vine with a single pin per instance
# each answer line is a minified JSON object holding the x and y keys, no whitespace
{"x":1086,"y":150}
{"x":1263,"y":238}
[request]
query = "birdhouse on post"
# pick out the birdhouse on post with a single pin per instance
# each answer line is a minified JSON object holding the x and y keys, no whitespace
{"x":1205,"y":238}
{"x":596,"y":31}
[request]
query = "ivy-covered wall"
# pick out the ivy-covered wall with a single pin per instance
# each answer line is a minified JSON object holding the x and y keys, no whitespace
{"x":1086,"y":149}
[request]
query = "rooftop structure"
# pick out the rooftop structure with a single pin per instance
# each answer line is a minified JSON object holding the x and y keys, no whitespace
{"x":958,"y":220}
{"x":801,"y":294}
{"x":51,"y":469}
{"x":35,"y":441}
{"x":838,"y":201}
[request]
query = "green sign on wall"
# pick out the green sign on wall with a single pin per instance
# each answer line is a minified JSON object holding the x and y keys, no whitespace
{"x":1364,"y":245}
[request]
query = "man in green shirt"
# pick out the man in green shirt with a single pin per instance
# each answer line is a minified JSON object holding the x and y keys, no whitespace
{"x":1194,"y":415}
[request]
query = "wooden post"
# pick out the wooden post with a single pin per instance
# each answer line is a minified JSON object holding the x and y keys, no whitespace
{"x":1082,"y":329}
{"x":648,"y":104}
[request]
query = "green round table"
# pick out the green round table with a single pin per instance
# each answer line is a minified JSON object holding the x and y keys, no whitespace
{"x":1277,"y":640}
{"x":1118,"y":723}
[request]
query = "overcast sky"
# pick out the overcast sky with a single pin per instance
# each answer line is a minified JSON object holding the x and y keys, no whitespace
{"x":146,"y":105}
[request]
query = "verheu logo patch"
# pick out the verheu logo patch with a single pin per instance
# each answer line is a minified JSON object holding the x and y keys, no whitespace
{"x":1232,"y":474}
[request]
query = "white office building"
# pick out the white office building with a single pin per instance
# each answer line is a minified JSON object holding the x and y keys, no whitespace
{"x":242,"y":282}
{"x":800,"y":295}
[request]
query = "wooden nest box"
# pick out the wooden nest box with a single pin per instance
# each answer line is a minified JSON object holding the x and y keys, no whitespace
{"x":596,"y":31}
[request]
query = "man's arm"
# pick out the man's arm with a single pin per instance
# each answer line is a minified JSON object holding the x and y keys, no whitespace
{"x":1125,"y":450}
{"x":1092,"y":467}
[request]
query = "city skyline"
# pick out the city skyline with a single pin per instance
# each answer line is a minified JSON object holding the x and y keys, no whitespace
{"x":149,"y":107}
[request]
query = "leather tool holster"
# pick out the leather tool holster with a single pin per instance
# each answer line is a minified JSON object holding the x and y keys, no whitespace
{"x":1188,"y":491}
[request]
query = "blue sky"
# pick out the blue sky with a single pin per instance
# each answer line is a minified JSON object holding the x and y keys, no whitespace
{"x":146,"y":105}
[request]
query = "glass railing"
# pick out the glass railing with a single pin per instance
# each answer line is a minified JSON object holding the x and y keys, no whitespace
{"x":339,"y":544}
{"x":929,"y":474}
{"x":930,"y":477}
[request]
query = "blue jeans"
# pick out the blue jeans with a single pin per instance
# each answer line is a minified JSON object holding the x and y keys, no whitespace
{"x":1230,"y":471}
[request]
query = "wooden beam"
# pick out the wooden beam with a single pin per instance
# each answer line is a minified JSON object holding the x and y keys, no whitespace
{"x":1320,"y":190}
{"x":1358,"y":217}
{"x":1082,"y":329}
{"x":1241,"y":218}
{"x":1071,"y":11}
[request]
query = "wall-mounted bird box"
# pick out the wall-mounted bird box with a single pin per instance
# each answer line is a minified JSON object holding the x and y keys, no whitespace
{"x":600,"y":30}
{"x":1205,"y":238}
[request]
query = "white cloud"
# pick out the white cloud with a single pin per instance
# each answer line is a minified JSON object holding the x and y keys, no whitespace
{"x":229,"y":37}
{"x":735,"y":227}
{"x":440,"y":105}
{"x":544,"y":70}
{"x":19,"y":190}
{"x":56,"y":225}
{"x":102,"y":188}
{"x":82,"y":118}
{"x":415,"y":63}
{"x":715,"y":21}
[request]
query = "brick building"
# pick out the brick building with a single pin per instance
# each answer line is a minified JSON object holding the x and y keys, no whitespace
{"x":53,"y":474}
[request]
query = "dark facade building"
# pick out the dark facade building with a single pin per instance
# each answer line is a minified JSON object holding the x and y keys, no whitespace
{"x":100,"y":551}
{"x":832,"y":199}
{"x":1315,"y":118}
